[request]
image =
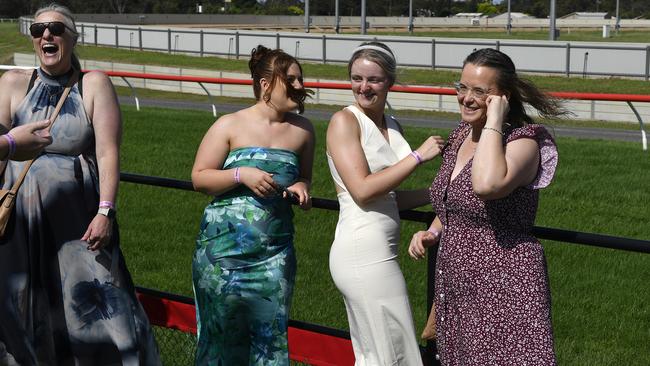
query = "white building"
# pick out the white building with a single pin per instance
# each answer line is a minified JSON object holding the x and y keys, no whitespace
{"x":584,"y":15}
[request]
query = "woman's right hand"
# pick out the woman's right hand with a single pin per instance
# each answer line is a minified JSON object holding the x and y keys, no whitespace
{"x":420,"y":242}
{"x":30,"y":139}
{"x":258,"y":181}
{"x":431,"y":147}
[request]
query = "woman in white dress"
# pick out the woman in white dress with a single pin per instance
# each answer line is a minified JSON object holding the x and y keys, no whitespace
{"x":368,"y":159}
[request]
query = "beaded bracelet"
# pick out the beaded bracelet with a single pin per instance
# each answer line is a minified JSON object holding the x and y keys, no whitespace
{"x":12,"y":145}
{"x":495,"y":130}
{"x":108,"y":204}
{"x":417,"y":156}
{"x":237,"y":175}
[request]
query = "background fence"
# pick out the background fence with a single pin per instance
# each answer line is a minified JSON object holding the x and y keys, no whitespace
{"x":549,"y":57}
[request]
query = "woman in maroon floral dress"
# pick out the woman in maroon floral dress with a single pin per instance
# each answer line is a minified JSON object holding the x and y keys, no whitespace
{"x":492,"y":301}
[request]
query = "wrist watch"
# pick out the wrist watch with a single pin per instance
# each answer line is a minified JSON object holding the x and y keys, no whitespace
{"x":106,"y":211}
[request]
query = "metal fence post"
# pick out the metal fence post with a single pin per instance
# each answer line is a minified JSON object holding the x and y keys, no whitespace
{"x":169,"y":40}
{"x":237,"y":45}
{"x":277,"y":40}
{"x":201,"y":43}
{"x":140,"y":38}
{"x":117,"y":37}
{"x":497,"y":46}
{"x":433,"y":53}
{"x":95,"y":33}
{"x":324,"y":49}
{"x":647,"y":62}
{"x":568,"y":59}
{"x":83,"y":34}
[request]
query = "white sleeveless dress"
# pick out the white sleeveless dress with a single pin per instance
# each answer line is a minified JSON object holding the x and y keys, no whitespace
{"x":363,"y":260}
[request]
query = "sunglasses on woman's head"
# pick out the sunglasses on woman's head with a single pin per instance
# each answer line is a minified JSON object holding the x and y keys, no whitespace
{"x":56,"y":28}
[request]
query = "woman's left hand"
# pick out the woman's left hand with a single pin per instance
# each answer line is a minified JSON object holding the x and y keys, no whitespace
{"x":497,"y":109}
{"x":99,"y":232}
{"x":301,"y":191}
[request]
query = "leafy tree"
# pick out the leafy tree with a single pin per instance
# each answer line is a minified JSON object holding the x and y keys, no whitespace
{"x":486,"y":8}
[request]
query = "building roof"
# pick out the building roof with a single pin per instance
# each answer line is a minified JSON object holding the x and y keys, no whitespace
{"x":513,"y":15}
{"x":585,"y":15}
{"x":468,"y":15}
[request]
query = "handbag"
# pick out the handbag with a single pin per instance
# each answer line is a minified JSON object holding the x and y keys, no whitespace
{"x":8,"y":196}
{"x":429,"y":332}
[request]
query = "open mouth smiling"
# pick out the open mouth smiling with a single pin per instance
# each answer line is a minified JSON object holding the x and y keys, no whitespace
{"x":50,"y":48}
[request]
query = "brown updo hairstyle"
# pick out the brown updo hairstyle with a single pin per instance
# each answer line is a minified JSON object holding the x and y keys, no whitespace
{"x":272,"y":65}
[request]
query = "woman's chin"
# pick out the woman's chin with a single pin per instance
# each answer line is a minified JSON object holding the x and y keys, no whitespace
{"x":369,"y":103}
{"x":472,"y":117}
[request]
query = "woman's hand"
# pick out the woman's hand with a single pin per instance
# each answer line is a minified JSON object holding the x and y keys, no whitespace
{"x":258,"y":181}
{"x":420,"y":242}
{"x":30,"y":139}
{"x":497,"y":110}
{"x":431,"y":147}
{"x":300,"y":190}
{"x":99,"y":232}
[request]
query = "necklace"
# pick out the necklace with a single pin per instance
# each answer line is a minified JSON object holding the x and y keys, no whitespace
{"x":54,"y":84}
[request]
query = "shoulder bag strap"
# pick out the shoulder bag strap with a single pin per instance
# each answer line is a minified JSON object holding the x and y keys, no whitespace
{"x":55,"y":114}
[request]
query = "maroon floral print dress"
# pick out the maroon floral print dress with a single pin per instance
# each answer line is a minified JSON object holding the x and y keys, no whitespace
{"x":493,"y":304}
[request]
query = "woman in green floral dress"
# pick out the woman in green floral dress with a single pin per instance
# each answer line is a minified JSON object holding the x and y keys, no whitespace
{"x":253,"y":161}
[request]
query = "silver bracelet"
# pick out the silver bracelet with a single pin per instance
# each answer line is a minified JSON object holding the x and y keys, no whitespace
{"x":495,"y":130}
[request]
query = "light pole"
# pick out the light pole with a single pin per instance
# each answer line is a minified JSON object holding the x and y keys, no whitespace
{"x":337,"y":20}
{"x":410,"y":16}
{"x":509,"y":25}
{"x":551,"y":35}
{"x":363,"y":17}
{"x":618,"y":19}
{"x":306,"y":16}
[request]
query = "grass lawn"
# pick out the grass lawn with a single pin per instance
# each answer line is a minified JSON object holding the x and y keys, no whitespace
{"x":600,"y":296}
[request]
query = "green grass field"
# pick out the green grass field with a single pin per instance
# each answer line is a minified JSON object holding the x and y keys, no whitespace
{"x":600,"y":296}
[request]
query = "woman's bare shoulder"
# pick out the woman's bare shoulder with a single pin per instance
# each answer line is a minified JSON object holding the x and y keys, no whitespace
{"x":95,"y":78}
{"x":230,"y":121}
{"x":15,"y":80}
{"x":344,"y":120}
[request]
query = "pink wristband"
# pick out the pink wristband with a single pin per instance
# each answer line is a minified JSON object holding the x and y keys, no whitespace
{"x":108,"y":204}
{"x":237,"y":175}
{"x":435,"y":232}
{"x":417,"y":156}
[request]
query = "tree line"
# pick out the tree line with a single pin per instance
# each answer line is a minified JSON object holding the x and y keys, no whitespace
{"x":441,"y":8}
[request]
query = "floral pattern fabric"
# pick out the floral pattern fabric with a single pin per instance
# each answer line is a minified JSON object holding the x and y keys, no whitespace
{"x":492,"y":297}
{"x":244,"y":267}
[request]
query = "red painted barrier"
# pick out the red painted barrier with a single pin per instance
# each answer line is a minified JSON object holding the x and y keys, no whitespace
{"x":306,"y":343}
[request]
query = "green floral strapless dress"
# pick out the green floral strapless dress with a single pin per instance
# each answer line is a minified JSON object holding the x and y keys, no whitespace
{"x":244,"y":267}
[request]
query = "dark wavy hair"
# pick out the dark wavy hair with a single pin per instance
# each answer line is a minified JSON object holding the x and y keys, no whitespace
{"x":520,"y":90}
{"x":273,"y":65}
